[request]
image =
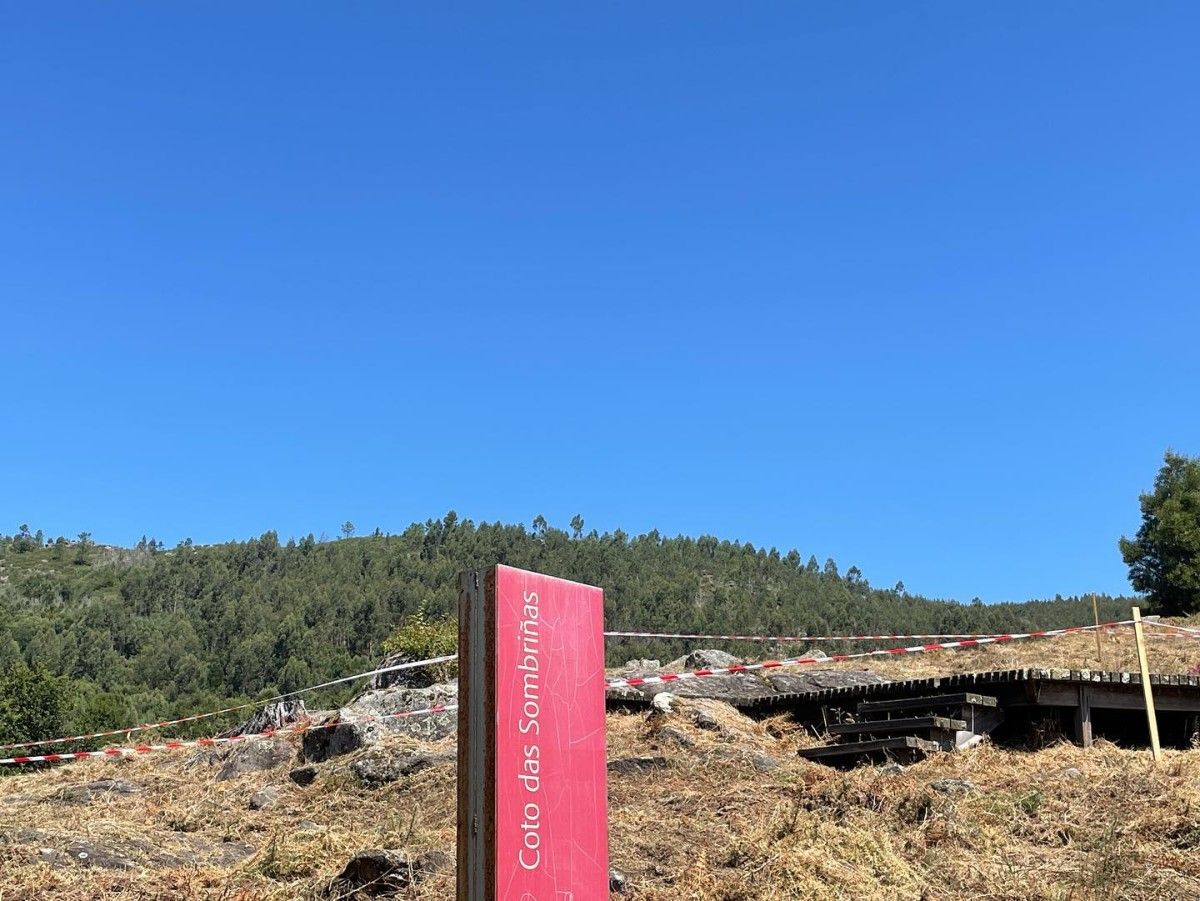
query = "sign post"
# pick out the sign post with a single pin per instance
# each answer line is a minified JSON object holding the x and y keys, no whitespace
{"x":532,"y":792}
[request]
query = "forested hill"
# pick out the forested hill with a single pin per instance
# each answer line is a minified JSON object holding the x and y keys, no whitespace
{"x":150,"y":632}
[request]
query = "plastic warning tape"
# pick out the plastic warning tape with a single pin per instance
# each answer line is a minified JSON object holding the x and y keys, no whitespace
{"x":68,"y":739}
{"x":173,"y":745}
{"x":799,"y":638}
{"x":1177,"y":631}
{"x":635,"y":681}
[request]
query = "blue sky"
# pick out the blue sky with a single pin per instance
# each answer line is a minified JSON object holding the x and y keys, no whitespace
{"x":914,"y":287}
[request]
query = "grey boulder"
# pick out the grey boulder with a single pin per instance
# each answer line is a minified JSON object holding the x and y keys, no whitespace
{"x":370,"y":717}
{"x":380,"y":871}
{"x":380,"y":767}
{"x":254,"y":756}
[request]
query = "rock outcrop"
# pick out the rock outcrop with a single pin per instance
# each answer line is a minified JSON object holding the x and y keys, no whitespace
{"x":270,"y":717}
{"x":90,"y":791}
{"x":705,"y":658}
{"x":632,"y":766}
{"x":124,"y":852}
{"x":417,"y":677}
{"x":383,"y":765}
{"x":254,"y":756}
{"x":379,"y":872}
{"x":367,"y":719}
{"x":815,"y":680}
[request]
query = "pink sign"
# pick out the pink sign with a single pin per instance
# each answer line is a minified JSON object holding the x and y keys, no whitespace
{"x":548,"y":828}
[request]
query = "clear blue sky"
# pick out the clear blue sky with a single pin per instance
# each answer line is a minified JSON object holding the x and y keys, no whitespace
{"x":914,"y":286}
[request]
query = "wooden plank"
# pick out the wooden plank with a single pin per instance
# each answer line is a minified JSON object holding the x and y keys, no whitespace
{"x":929,"y":702}
{"x":1144,"y":665}
{"x":1114,"y":697}
{"x":911,"y":724}
{"x":858,"y":748}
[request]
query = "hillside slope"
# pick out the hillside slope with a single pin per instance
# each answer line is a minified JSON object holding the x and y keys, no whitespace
{"x":726,"y":812}
{"x":148,"y":634}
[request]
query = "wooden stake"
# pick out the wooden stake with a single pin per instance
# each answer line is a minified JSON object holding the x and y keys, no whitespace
{"x":1096,"y":616}
{"x":1144,"y":664}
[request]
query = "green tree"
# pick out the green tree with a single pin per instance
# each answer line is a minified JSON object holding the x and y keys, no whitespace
{"x":33,"y":703}
{"x":83,"y":548}
{"x":23,"y":543}
{"x":423,"y":636}
{"x":1164,"y":557}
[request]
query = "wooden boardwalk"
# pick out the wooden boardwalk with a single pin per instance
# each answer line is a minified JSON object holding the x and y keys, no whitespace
{"x":1178,"y":692}
{"x":1086,"y":703}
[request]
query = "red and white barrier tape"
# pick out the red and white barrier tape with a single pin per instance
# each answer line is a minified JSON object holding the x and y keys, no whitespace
{"x":797,"y":638}
{"x":635,"y":681}
{"x":67,"y":739}
{"x":966,"y":640}
{"x":173,"y":745}
{"x":1178,"y":631}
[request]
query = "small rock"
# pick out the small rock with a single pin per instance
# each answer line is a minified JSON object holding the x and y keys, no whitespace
{"x":379,"y":871}
{"x":307,"y":826}
{"x":263,"y":798}
{"x":629,"y":766}
{"x":254,"y":756}
{"x":890,"y":768}
{"x":764,"y":763}
{"x":705,"y":720}
{"x":617,"y":882}
{"x":377,"y":769}
{"x":662,"y":702}
{"x":84,"y":794}
{"x":674,"y":735}
{"x":816,"y":654}
{"x":708,"y":658}
{"x":642,"y":666}
{"x":953,"y":786}
{"x":303,"y":775}
{"x":21,"y":837}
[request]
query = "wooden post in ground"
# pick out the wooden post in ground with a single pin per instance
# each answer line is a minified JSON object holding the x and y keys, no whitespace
{"x":1096,"y":617}
{"x":1144,"y":665}
{"x":1083,"y":717}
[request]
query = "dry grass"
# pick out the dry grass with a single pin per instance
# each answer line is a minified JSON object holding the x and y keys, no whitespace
{"x":1118,"y":653}
{"x":714,"y":824}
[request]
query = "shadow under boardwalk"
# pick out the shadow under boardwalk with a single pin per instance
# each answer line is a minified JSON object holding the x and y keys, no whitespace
{"x":943,"y":713}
